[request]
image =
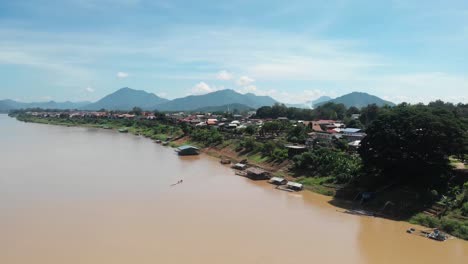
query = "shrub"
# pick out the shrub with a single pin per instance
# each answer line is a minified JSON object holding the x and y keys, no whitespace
{"x":464,"y":209}
{"x":279,"y":154}
{"x":425,"y":220}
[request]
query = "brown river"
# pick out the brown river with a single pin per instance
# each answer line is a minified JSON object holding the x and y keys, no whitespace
{"x":72,"y":195}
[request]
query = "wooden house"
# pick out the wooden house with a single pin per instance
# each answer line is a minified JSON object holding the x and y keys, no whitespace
{"x":257,"y":174}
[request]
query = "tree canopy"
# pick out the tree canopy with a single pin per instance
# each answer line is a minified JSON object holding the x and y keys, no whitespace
{"x":412,"y":143}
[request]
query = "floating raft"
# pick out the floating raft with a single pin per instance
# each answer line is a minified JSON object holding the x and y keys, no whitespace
{"x":431,"y":234}
{"x":283,"y":188}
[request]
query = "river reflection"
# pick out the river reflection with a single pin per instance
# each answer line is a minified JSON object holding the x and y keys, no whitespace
{"x":80,"y":195}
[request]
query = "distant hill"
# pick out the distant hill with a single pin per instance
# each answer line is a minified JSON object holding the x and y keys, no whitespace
{"x":7,"y":105}
{"x":224,"y":108}
{"x":218,"y":98}
{"x":126,"y":99}
{"x":311,"y":104}
{"x":321,"y":99}
{"x":358,"y":100}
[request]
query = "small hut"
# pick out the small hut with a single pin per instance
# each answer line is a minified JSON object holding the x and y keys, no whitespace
{"x":187,"y":150}
{"x":239,"y":166}
{"x":295,"y":186}
{"x":278,"y":181}
{"x":257,"y":174}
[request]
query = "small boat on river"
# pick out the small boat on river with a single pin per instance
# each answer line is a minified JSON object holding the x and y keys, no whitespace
{"x":437,"y":235}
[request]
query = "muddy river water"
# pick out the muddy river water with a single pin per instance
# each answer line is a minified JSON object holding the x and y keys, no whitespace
{"x":73,"y":195}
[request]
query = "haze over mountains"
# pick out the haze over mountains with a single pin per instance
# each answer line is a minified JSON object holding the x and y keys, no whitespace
{"x":7,"y":105}
{"x":127,"y":98}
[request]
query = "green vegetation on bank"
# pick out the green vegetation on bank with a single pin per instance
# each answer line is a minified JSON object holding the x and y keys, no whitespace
{"x":405,"y":163}
{"x":147,"y":128}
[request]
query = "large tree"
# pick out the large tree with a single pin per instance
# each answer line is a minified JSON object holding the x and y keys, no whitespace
{"x":412,"y":144}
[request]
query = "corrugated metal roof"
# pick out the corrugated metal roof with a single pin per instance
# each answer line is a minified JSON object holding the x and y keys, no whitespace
{"x":255,"y":170}
{"x":294,"y":146}
{"x":295,"y":184}
{"x":350,"y":130}
{"x":276,"y":179}
{"x":186,"y":147}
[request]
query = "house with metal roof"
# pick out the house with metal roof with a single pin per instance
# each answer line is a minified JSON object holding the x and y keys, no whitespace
{"x":187,"y":150}
{"x":239,"y":166}
{"x":257,"y":174}
{"x":278,"y":181}
{"x":350,"y":130}
{"x":295,"y":186}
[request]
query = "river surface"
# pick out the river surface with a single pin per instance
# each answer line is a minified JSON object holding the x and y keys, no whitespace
{"x":71,"y":195}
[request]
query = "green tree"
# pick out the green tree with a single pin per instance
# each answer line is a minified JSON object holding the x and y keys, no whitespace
{"x":137,"y":111}
{"x":411,"y":144}
{"x":352,"y":110}
{"x":263,"y":112}
{"x":250,"y":130}
{"x":369,"y":114}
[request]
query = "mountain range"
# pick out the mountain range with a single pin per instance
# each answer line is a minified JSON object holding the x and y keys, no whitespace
{"x":217,"y":98}
{"x":127,"y":98}
{"x":7,"y":105}
{"x":312,"y":103}
{"x":357,"y":99}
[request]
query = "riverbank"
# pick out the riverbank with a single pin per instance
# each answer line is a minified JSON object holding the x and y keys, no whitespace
{"x":229,"y":149}
{"x":111,"y":193}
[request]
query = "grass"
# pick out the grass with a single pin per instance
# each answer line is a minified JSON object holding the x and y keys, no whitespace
{"x":257,"y":158}
{"x":315,"y":184}
{"x":452,"y":226}
{"x":280,"y":174}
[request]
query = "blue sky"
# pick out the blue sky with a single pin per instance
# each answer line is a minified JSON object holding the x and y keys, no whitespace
{"x":294,"y":51}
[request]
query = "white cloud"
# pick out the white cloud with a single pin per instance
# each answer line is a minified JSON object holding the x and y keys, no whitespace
{"x":162,"y":94}
{"x":344,"y":65}
{"x":203,"y":88}
{"x":248,"y":89}
{"x":287,"y":97}
{"x":245,"y":80}
{"x":45,"y":98}
{"x":420,"y":87}
{"x":122,"y":75}
{"x":224,"y":75}
{"x":89,"y":89}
